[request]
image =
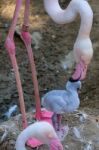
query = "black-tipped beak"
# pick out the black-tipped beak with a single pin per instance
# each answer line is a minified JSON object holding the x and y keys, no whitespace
{"x":74,"y":80}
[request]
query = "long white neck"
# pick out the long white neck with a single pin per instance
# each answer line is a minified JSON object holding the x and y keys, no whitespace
{"x":69,"y":14}
{"x":23,"y":137}
{"x":86,"y":14}
{"x":39,"y":130}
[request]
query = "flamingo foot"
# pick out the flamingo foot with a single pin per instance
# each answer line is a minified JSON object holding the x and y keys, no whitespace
{"x":63,"y":132}
{"x":80,"y":71}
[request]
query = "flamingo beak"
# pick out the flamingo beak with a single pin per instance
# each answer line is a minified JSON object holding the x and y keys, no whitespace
{"x":75,"y":80}
{"x":80,"y":71}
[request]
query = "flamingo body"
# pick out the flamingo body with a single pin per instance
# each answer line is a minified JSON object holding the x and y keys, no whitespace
{"x":42,"y":131}
{"x":63,"y":101}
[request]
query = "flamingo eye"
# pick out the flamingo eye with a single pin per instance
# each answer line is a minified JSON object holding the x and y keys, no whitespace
{"x":78,"y":89}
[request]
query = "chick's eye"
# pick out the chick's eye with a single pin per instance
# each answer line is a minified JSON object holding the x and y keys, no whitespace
{"x":78,"y":89}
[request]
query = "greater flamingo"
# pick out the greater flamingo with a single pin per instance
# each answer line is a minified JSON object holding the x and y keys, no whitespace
{"x":82,"y":50}
{"x":62,"y":101}
{"x":43,"y":131}
{"x":10,"y":46}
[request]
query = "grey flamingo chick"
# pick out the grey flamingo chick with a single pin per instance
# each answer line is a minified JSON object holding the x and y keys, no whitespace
{"x":43,"y":131}
{"x":62,"y":101}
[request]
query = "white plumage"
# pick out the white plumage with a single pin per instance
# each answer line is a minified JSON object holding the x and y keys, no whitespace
{"x":43,"y":131}
{"x":82,"y":49}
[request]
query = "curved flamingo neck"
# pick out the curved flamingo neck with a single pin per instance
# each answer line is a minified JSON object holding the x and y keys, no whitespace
{"x":32,"y":131}
{"x":86,"y":15}
{"x":69,"y":14}
{"x":23,"y":137}
{"x":58,"y":14}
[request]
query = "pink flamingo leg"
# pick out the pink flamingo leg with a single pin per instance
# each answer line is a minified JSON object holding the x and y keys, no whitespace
{"x":56,"y":120}
{"x":26,"y":37}
{"x":61,"y":130}
{"x":10,"y":46}
{"x":27,"y":40}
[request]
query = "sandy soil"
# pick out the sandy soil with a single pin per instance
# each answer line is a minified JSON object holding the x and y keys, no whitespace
{"x":56,"y":43}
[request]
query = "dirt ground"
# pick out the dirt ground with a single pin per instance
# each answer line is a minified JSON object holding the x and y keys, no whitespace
{"x":55,"y":44}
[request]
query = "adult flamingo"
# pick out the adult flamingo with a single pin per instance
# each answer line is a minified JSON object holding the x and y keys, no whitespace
{"x":82,"y":50}
{"x":10,"y":46}
{"x":42,"y":131}
{"x":83,"y":42}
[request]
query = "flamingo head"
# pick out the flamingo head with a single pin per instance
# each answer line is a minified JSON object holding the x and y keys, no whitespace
{"x":55,"y":144}
{"x":76,"y":85}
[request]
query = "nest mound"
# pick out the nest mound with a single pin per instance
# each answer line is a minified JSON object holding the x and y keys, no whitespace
{"x":83,"y":133}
